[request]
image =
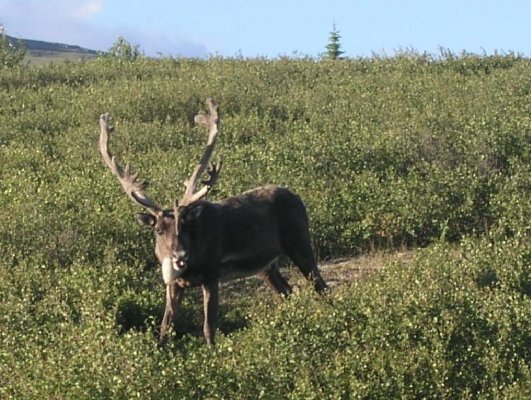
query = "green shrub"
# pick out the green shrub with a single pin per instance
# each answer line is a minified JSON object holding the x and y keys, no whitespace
{"x":385,"y":152}
{"x":11,"y":54}
{"x":451,"y":324}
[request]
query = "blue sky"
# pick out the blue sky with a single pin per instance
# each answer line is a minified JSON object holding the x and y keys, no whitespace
{"x":275,"y":27}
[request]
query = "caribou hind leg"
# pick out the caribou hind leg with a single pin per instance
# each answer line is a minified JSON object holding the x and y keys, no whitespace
{"x":299,"y":250}
{"x":276,"y":281}
{"x":308,"y":266}
{"x":295,"y":238}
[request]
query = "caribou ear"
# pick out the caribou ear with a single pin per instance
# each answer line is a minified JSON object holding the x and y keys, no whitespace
{"x":146,"y":219}
{"x":194,"y":212}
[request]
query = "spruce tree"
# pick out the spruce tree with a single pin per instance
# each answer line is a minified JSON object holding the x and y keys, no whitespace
{"x":333,"y":48}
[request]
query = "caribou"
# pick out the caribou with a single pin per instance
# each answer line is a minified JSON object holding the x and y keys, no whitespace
{"x":199,"y":242}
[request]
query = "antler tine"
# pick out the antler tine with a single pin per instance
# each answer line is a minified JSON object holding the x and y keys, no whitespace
{"x":130,"y":183}
{"x":212,"y":123}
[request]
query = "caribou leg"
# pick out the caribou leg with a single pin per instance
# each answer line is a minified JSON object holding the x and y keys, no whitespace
{"x":174,"y":296}
{"x":210,"y":305}
{"x":276,"y":281}
{"x":307,"y":264}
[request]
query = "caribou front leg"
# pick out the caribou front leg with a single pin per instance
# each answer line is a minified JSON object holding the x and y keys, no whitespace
{"x":174,"y":296}
{"x":210,"y":305}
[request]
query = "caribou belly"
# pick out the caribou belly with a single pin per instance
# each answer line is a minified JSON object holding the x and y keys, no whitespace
{"x":241,"y":265}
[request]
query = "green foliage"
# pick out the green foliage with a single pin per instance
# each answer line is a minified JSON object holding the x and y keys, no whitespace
{"x":11,"y":55}
{"x":124,"y":51}
{"x":452,"y":324}
{"x":386,"y":152}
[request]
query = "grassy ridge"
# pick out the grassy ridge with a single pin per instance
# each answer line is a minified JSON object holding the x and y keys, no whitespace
{"x":40,"y":52}
{"x":385,"y":152}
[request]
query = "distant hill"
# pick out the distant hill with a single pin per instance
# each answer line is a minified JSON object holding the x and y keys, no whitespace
{"x":38,"y":51}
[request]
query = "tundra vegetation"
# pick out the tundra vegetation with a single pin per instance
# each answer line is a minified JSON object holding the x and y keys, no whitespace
{"x":417,"y":152}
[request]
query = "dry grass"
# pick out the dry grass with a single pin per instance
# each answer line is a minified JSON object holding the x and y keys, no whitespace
{"x":346,"y":270}
{"x":47,"y":57}
{"x":335,"y":273}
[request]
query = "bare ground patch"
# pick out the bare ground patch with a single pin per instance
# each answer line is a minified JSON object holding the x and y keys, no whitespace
{"x":340,"y":271}
{"x":335,"y":272}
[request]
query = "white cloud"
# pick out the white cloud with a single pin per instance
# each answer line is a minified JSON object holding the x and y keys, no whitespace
{"x":88,"y":9}
{"x":49,"y":9}
{"x":72,"y":22}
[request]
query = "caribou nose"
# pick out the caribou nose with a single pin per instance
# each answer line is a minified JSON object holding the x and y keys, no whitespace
{"x":181,"y":264}
{"x":179,"y":260}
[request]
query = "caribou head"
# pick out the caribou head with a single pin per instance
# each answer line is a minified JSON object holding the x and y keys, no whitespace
{"x":162,"y":221}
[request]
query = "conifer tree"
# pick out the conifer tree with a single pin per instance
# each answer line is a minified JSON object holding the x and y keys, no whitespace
{"x":333,"y":48}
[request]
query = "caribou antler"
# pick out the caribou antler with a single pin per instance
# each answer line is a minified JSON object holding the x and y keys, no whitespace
{"x":130,"y":183}
{"x":211,"y":122}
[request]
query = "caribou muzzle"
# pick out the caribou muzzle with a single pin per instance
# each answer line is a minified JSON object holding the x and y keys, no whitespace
{"x":180,"y":261}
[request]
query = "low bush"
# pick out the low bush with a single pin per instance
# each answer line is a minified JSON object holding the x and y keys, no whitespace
{"x":451,"y":324}
{"x":386,"y":153}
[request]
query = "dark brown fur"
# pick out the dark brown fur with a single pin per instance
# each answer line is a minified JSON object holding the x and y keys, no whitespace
{"x":236,"y":237}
